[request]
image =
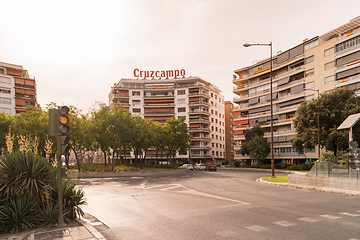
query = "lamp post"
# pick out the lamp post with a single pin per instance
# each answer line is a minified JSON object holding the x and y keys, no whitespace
{"x":317,"y":90}
{"x":271,"y":102}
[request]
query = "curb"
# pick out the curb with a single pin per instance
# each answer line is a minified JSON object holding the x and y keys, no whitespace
{"x":313,"y":188}
{"x":91,"y":229}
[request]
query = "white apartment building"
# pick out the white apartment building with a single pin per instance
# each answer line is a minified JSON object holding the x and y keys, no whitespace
{"x":199,"y":101}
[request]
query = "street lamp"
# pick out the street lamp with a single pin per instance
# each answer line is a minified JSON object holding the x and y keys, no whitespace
{"x":317,"y":90}
{"x":271,"y":102}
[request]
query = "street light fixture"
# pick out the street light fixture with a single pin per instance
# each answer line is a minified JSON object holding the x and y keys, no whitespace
{"x":271,"y":102}
{"x":317,"y":90}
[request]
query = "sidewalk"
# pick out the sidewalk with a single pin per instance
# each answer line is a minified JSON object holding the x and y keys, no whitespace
{"x":75,"y":231}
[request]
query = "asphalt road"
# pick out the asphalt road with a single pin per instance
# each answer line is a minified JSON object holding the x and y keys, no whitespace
{"x":227,"y":204}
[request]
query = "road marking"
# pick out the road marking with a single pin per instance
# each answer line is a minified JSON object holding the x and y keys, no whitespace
{"x":190,"y":191}
{"x":329,"y":216}
{"x":306,"y":219}
{"x":142,"y":185}
{"x":349,"y":214}
{"x":177,"y":186}
{"x":155,"y":186}
{"x":284,"y":223}
{"x":257,"y":228}
{"x":117,"y":185}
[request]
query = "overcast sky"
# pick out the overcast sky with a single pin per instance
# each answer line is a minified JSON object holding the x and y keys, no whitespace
{"x":77,"y":50}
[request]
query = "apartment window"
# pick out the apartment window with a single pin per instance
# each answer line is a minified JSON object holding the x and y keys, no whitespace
{"x":329,"y":79}
{"x":5,"y":110}
{"x":220,"y":123}
{"x":217,"y":145}
{"x":215,"y":104}
{"x":217,"y":153}
{"x":136,"y":93}
{"x":329,"y":65}
{"x":329,"y":51}
{"x":216,"y":113}
{"x":212,"y":136}
{"x":216,"y":120}
{"x":212,"y":119}
{"x":212,"y":128}
{"x":309,"y":85}
{"x":216,"y":129}
{"x":220,"y":131}
{"x":212,"y":144}
{"x":212,"y":111}
{"x":5,"y":100}
{"x":312,"y":44}
{"x":212,"y":153}
{"x":181,"y":92}
{"x":136,"y":110}
{"x":219,"y":100}
{"x":136,"y":102}
{"x":212,"y":104}
{"x":2,"y":70}
{"x":309,"y":59}
{"x":5,"y":90}
{"x":217,"y":137}
{"x":220,"y":154}
{"x":220,"y":138}
{"x":215,"y":96}
{"x":181,"y":109}
{"x":220,"y":115}
{"x":212,"y":95}
{"x":181,"y":101}
{"x":309,"y":72}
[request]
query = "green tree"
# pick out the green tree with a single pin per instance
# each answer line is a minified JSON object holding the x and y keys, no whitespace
{"x":249,"y":135}
{"x":335,"y":107}
{"x":5,"y":123}
{"x":259,"y":148}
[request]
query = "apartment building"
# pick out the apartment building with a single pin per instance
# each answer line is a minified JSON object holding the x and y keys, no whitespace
{"x":199,"y":102}
{"x":17,"y":89}
{"x":229,"y":132}
{"x":319,"y":64}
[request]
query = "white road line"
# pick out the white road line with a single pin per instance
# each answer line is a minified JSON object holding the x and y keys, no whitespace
{"x":306,"y":219}
{"x":155,"y":186}
{"x":284,"y":223}
{"x":190,"y":191}
{"x":257,"y":228}
{"x":329,"y":216}
{"x":117,"y":185}
{"x":349,"y":214}
{"x":163,"y":189}
{"x":142,"y":185}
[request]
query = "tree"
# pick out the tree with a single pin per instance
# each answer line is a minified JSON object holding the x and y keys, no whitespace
{"x":335,"y":107}
{"x":259,"y":148}
{"x":5,"y":123}
{"x":249,"y":135}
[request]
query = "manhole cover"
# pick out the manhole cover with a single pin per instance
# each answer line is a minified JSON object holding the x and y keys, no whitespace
{"x":52,"y":235}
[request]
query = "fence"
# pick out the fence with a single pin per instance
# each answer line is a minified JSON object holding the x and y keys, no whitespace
{"x":328,"y":169}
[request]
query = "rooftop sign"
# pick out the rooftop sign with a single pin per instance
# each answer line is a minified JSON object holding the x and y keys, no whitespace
{"x":159,"y":73}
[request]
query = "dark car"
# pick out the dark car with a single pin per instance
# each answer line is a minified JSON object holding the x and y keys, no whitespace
{"x":211,"y":167}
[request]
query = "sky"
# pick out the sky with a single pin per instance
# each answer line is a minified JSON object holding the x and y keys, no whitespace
{"x":77,"y":49}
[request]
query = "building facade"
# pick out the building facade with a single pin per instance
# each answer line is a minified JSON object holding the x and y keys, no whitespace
{"x":17,"y":89}
{"x":229,"y":132}
{"x":320,"y":64}
{"x":198,"y":101}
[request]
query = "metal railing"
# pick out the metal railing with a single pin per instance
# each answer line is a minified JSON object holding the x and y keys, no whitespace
{"x":329,"y":169}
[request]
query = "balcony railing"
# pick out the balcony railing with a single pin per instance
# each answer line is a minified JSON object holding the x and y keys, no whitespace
{"x":348,"y":81}
{"x":196,"y":111}
{"x":199,"y":128}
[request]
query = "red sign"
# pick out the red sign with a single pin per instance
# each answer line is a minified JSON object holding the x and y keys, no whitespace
{"x":159,"y":74}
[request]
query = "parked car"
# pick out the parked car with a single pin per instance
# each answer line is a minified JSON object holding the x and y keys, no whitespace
{"x":211,"y":167}
{"x":199,"y":166}
{"x":188,"y":166}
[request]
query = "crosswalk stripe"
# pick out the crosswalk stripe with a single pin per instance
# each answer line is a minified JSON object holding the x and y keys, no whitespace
{"x":306,"y":219}
{"x":329,"y":216}
{"x":284,"y":223}
{"x":257,"y":228}
{"x":349,"y":214}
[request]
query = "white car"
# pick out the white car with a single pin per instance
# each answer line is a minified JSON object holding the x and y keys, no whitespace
{"x":200,"y":166}
{"x":188,"y":166}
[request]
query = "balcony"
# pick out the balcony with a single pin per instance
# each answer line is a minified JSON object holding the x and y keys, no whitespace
{"x":199,"y":120}
{"x":199,"y":94}
{"x":200,"y":146}
{"x":348,"y":81}
{"x":198,"y":111}
{"x":159,"y":104}
{"x":199,"y":129}
{"x":200,"y":138}
{"x":208,"y":155}
{"x":194,"y":103}
{"x":159,"y":95}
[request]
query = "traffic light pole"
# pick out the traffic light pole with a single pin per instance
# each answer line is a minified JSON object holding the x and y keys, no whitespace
{"x":60,"y":192}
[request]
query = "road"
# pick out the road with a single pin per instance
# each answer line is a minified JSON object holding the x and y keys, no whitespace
{"x":227,"y":204}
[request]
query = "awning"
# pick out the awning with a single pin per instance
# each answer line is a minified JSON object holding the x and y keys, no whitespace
{"x":241,"y":122}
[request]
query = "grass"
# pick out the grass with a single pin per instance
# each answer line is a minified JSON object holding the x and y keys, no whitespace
{"x":283,"y":179}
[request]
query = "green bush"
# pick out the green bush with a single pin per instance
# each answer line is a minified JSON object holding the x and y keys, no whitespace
{"x":29,"y":193}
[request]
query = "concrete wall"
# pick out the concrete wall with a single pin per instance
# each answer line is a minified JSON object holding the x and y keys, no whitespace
{"x":330,"y":182}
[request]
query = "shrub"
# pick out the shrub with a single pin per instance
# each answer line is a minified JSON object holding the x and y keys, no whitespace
{"x":237,"y":164}
{"x":73,"y":199}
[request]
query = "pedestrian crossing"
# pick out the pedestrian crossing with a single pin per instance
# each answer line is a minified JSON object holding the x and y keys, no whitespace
{"x":259,"y":228}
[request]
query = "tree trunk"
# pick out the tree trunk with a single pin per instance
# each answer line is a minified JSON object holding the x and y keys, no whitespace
{"x":112,"y":161}
{"x":104,"y":157}
{"x":77,"y":160}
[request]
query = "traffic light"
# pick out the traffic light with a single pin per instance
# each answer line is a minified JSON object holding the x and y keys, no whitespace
{"x":65,"y":147}
{"x":59,"y":121}
{"x":64,"y":120}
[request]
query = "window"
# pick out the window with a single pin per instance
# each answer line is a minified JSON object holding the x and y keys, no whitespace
{"x":136,"y":110}
{"x":181,"y":109}
{"x":212,"y":144}
{"x":309,"y":85}
{"x":220,"y":138}
{"x":216,"y":113}
{"x":329,"y":79}
{"x":5,"y":90}
{"x":212,"y":136}
{"x":212,"y":128}
{"x":136,"y":102}
{"x":309,"y":59}
{"x":329,"y":51}
{"x":217,"y":153}
{"x":219,"y":100}
{"x":212,"y":153}
{"x":136,"y":93}
{"x":181,"y":92}
{"x":212,"y":104}
{"x":312,"y":44}
{"x":220,"y":131}
{"x":216,"y":129}
{"x":220,"y":154}
{"x":215,"y":104}
{"x":220,"y":123}
{"x":215,"y":96}
{"x":181,"y":101}
{"x":212,"y":119}
{"x":217,"y":137}
{"x":216,"y":120}
{"x":329,"y":65}
{"x":217,"y":145}
{"x":5,"y":79}
{"x":212,"y":111}
{"x":5,"y":100}
{"x":220,"y":145}
{"x":220,"y":115}
{"x":6,"y":110}
{"x":309,"y":72}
